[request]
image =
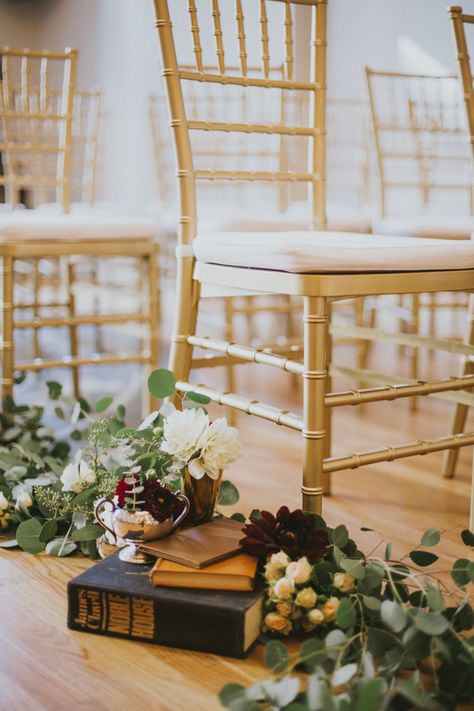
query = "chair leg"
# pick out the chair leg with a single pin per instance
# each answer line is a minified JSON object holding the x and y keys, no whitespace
{"x":229,"y":337}
{"x":414,"y":355}
{"x":73,"y":342}
{"x":36,"y":293}
{"x":460,"y":413}
{"x":314,"y":387}
{"x":153,"y":314}
{"x":328,"y":411}
{"x":7,"y":323}
{"x":187,"y":301}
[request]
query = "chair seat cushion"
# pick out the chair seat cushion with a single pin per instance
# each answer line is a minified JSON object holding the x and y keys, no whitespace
{"x":314,"y":252}
{"x":437,"y":227}
{"x":28,"y":225}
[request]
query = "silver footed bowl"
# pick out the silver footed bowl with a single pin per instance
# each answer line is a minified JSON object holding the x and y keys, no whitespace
{"x":137,"y":527}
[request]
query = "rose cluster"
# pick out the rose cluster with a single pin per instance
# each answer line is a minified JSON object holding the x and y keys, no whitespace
{"x":292,"y":600}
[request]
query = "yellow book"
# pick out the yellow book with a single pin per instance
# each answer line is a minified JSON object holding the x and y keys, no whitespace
{"x":236,"y":573}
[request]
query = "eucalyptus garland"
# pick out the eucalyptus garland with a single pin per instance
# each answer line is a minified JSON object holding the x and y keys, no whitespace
{"x":380,"y":632}
{"x":48,"y":492}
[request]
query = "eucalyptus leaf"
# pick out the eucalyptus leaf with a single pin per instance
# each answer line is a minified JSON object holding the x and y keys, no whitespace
{"x":102,"y":404}
{"x":460,"y":573}
{"x":388,"y":551}
{"x":9,"y":543}
{"x":344,"y":674}
{"x":230,"y":692}
{"x":354,"y":567}
{"x":54,"y":389}
{"x":393,"y":615}
{"x":468,"y":538}
{"x":346,"y":614}
{"x":228,"y":494}
{"x":372,"y":603}
{"x":432,"y":623}
{"x":28,"y":536}
{"x":162,"y":383}
{"x":148,"y":421}
{"x":276,"y":655}
{"x":239,"y":517}
{"x":423,"y":558}
{"x":340,"y":536}
{"x":48,"y":531}
{"x":431,"y":537}
{"x":435,"y":600}
{"x":371,"y":695}
{"x":197,"y":397}
{"x":58,"y":548}
{"x":87,"y":533}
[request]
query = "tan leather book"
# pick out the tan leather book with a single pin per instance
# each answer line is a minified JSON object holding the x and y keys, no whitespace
{"x":199,"y":546}
{"x":236,"y":573}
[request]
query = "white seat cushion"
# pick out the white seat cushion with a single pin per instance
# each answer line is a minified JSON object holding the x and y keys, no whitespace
{"x":314,"y":252}
{"x":48,"y":225}
{"x":437,"y":227}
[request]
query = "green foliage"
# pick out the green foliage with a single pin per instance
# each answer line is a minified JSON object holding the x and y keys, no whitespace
{"x":394,"y":643}
{"x":228,"y":494}
{"x":162,"y":383}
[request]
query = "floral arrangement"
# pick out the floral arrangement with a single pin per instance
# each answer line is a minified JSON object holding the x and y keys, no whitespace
{"x":48,"y":497}
{"x":379,"y":632}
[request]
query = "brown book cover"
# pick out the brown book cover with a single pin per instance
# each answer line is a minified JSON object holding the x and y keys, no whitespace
{"x":236,"y":573}
{"x":201,"y":545}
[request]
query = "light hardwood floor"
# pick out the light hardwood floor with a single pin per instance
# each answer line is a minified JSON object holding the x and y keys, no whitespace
{"x":44,"y":666}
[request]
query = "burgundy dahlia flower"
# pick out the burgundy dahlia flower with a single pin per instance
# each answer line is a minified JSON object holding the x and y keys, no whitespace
{"x":293,"y":532}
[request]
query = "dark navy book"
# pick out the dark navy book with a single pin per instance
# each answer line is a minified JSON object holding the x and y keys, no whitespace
{"x":116,"y":598}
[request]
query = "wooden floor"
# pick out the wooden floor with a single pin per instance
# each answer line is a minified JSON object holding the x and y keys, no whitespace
{"x":44,"y":666}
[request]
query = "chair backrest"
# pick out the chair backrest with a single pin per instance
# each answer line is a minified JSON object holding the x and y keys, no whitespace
{"x":419,"y":132}
{"x":239,"y":81}
{"x":36,"y":119}
{"x":459,"y":20}
{"x":348,"y":155}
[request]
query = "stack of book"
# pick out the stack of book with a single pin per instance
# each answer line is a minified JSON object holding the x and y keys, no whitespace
{"x":202,"y":593}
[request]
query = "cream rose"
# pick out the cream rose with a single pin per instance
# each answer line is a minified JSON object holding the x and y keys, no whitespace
{"x":283,"y":589}
{"x":299,"y":571}
{"x":315,"y":616}
{"x":344,"y":582}
{"x":275,"y":622}
{"x":284,"y":608}
{"x":306,"y":598}
{"x":3,"y":502}
{"x":273,"y":572}
{"x":279,"y":559}
{"x":329,"y":609}
{"x":4,"y":518}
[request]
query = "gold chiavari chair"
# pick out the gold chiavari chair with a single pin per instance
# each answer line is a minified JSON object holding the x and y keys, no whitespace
{"x":460,"y":22}
{"x":32,"y":129}
{"x":317,"y":265}
{"x":422,"y":163}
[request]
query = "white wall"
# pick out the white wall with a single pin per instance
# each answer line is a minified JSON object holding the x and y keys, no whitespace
{"x":118,"y":52}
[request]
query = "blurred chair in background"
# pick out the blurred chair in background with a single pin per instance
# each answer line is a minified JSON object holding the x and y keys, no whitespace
{"x":36,"y":115}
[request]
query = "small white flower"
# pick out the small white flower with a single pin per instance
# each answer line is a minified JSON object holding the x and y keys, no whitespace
{"x":299,"y":571}
{"x":77,"y":474}
{"x":3,"y":502}
{"x":183,"y":433}
{"x":24,"y":499}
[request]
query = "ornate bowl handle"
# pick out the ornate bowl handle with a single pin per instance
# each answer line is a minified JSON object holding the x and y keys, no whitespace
{"x":184,"y":512}
{"x":100,"y":504}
